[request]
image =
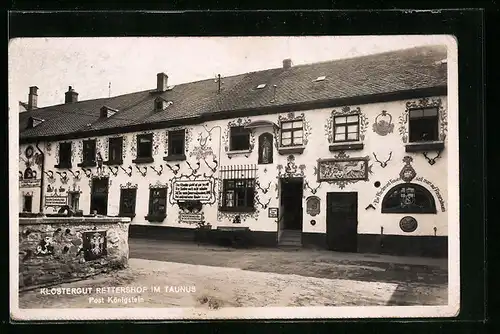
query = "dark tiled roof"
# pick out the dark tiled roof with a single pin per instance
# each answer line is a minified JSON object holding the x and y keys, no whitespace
{"x":389,"y":72}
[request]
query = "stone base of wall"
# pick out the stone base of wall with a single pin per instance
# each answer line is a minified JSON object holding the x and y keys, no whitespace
{"x":59,"y":250}
{"x":254,"y":238}
{"x":426,"y":246}
{"x":403,"y":245}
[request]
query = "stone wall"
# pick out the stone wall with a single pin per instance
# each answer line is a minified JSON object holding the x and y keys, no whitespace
{"x":60,"y":249}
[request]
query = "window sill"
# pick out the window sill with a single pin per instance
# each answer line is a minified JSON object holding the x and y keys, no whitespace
{"x":113,"y":162}
{"x":177,"y":157}
{"x":129,"y":215}
{"x":63,"y":166}
{"x":346,"y":146}
{"x":155,"y":218}
{"x":87,"y":164}
{"x":236,"y":210}
{"x":145,"y":160}
{"x":424,"y":146}
{"x":283,"y":150}
{"x":239,"y":152}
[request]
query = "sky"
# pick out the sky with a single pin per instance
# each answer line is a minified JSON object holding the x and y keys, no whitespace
{"x":91,"y":65}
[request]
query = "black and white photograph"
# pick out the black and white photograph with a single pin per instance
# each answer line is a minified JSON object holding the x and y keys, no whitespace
{"x":234,"y":177}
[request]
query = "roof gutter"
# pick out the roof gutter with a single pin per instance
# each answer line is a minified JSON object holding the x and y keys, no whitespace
{"x":267,"y":110}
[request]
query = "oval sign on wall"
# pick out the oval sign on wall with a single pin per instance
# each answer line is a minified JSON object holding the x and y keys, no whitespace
{"x":313,"y":205}
{"x":408,"y":224}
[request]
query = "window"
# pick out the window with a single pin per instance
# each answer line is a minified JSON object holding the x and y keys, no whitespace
{"x":127,"y":202}
{"x":27,"y":203}
{"x":115,"y":150}
{"x":238,"y":195}
{"x":346,"y":128}
{"x":239,"y":138}
{"x":423,"y":124}
{"x":74,"y":201}
{"x":292,"y":133}
{"x":89,"y":153}
{"x":157,"y":204}
{"x":145,"y":146}
{"x":159,"y":105}
{"x":408,"y":198}
{"x":64,"y":155}
{"x":176,"y":143}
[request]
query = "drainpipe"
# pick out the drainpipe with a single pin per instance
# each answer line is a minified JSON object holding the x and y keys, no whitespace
{"x":41,"y":176}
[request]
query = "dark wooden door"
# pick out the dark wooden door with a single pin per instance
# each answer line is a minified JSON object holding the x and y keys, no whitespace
{"x":342,"y":221}
{"x":291,"y":202}
{"x":99,"y":196}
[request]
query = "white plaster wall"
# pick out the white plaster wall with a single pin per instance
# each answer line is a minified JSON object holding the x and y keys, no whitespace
{"x":34,"y":191}
{"x":369,"y":221}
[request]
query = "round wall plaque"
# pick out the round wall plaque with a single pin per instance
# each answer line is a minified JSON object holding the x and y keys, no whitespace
{"x":408,"y":224}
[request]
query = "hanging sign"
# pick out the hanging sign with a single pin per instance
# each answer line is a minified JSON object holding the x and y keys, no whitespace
{"x":192,"y":190}
{"x":30,"y":183}
{"x":56,"y":200}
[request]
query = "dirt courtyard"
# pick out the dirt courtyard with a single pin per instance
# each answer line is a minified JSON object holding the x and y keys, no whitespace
{"x":214,"y":277}
{"x":420,"y":281}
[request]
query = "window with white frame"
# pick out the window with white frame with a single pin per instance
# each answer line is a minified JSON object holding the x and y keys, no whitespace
{"x":346,"y":128}
{"x":292,"y":133}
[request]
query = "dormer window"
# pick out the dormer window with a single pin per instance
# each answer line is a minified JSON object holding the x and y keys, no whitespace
{"x":321,"y":78}
{"x":162,"y":104}
{"x":261,"y":86}
{"x":34,"y":121}
{"x":159,"y":105}
{"x":107,"y":112}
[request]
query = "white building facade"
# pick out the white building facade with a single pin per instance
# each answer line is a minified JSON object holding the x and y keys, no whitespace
{"x":356,"y":177}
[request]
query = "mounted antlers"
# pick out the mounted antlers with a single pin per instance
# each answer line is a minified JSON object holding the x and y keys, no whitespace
{"x":264,"y":191}
{"x":263,"y":205}
{"x":113,"y":171}
{"x":432,"y":161}
{"x":213,"y":169}
{"x":193,"y":170}
{"x":76,"y":175}
{"x":129,"y":173}
{"x":143,"y":173}
{"x":383,"y":164}
{"x":157,"y":171}
{"x":175,"y":171}
{"x":313,"y":190}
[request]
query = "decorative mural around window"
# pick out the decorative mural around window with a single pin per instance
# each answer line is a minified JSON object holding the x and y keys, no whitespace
{"x":188,"y":137}
{"x":291,"y":116}
{"x":346,"y":111}
{"x":105,"y":146}
{"x":343,"y":170}
{"x":421,"y":104}
{"x":226,"y":137}
{"x":155,"y":145}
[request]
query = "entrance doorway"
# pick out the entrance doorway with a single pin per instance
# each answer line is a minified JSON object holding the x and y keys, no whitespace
{"x":291,"y":203}
{"x":99,"y":196}
{"x":342,"y":221}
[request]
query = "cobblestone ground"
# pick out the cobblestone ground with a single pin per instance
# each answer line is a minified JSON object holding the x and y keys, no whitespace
{"x":259,"y":277}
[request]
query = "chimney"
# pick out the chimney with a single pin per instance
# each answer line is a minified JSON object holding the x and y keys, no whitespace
{"x":161,"y":82}
{"x":287,"y":63}
{"x":32,"y":98}
{"x":71,"y":96}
